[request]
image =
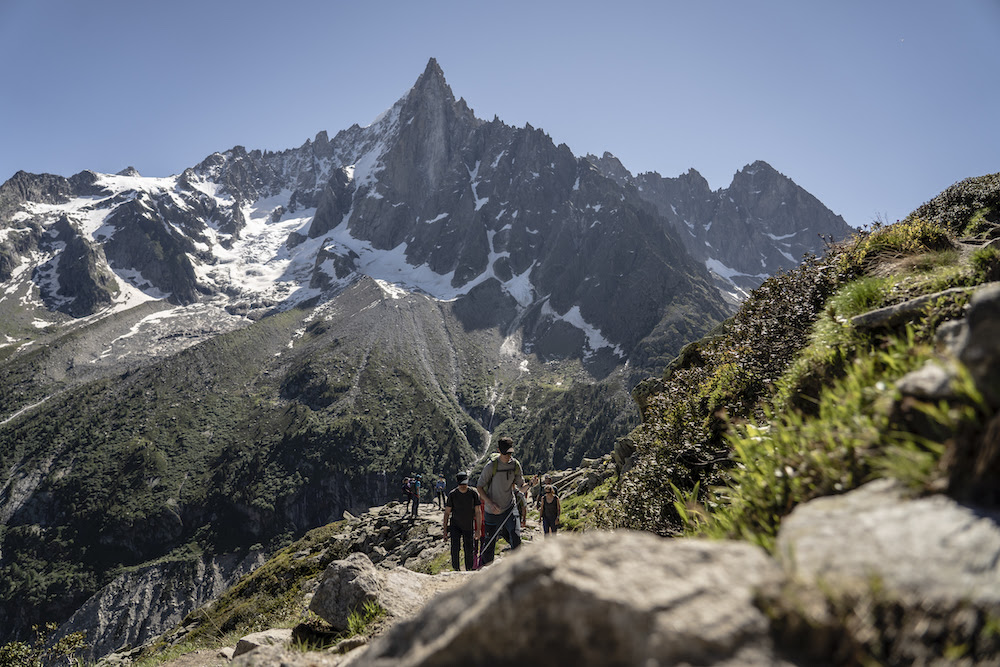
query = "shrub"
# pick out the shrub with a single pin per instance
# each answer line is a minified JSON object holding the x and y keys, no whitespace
{"x":965,"y":207}
{"x":986,"y":264}
{"x":909,"y":237}
{"x":40,"y":654}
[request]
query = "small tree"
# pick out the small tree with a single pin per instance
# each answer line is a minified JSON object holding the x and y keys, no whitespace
{"x":39,"y":654}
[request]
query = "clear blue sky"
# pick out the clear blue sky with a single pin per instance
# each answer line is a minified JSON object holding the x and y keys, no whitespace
{"x":874,"y":106}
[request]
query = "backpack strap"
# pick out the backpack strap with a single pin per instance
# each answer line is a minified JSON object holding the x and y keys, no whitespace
{"x":495,"y":459}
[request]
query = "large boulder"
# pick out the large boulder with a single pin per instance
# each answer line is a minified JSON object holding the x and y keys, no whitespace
{"x":348,"y":585}
{"x":930,"y":548}
{"x":979,"y":348}
{"x":603,"y":598}
{"x":884,"y":576}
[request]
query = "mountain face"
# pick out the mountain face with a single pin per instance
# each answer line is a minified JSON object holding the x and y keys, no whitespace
{"x":761,"y":224}
{"x":227,"y":357}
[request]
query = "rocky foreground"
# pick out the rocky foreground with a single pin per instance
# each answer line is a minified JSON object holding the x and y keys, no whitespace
{"x":871,"y":572}
{"x":875,"y":574}
{"x":912,"y":580}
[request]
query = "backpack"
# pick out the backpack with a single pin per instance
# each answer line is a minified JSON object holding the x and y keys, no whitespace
{"x":407,"y":486}
{"x":495,"y":460}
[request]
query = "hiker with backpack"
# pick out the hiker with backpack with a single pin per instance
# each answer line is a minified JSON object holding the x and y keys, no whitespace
{"x":550,"y":510}
{"x":464,"y":509}
{"x":500,"y":476}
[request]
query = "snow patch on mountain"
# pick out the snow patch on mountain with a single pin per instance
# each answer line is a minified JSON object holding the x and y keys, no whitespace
{"x":724,"y":271}
{"x":595,"y":340}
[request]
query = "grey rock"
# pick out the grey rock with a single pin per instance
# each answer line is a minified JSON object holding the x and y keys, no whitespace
{"x":349,"y":644}
{"x":272,"y":637}
{"x":932,"y":381}
{"x":618,"y":598}
{"x":898,"y":580}
{"x":924,"y":549}
{"x":137,"y":606}
{"x":949,"y":334}
{"x":979,"y":349}
{"x":347,"y":585}
{"x":896,"y":314}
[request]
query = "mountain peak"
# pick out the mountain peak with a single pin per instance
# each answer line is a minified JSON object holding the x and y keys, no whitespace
{"x":433,"y":69}
{"x":758,"y":167}
{"x":432,"y":81}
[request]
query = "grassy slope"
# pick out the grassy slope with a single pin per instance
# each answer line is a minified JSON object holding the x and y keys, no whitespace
{"x":787,"y":401}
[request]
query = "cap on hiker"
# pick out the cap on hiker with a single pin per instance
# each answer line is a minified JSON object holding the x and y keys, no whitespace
{"x":506,"y":447}
{"x":463,"y":478}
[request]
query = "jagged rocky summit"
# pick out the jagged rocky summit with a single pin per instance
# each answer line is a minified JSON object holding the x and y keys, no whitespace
{"x":761,"y":224}
{"x":428,"y":197}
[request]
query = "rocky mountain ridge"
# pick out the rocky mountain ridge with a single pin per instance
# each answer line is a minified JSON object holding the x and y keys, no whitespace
{"x":761,"y":224}
{"x":427,"y":197}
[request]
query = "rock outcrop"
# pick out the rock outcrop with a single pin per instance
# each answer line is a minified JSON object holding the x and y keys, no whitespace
{"x":137,"y":606}
{"x":347,"y":585}
{"x":598,"y":599}
{"x":904,"y":580}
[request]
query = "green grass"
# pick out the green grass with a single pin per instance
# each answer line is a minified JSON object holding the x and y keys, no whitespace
{"x":859,"y":296}
{"x":986,"y":264}
{"x":361,"y":620}
{"x":436,"y":565}
{"x":790,"y":457}
{"x":586,"y":511}
{"x":912,"y":236}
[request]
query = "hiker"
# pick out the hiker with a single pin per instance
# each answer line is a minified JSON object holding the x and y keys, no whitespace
{"x":522,"y":512}
{"x":538,"y":488}
{"x":550,"y":511}
{"x":500,"y":476}
{"x":415,"y":493}
{"x":464,"y":509}
{"x":439,"y":492}
{"x":405,"y":488}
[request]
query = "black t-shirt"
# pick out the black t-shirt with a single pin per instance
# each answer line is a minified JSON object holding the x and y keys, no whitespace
{"x":463,"y":507}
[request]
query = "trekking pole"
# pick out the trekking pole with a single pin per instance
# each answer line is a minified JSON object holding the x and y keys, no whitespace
{"x":503,"y":522}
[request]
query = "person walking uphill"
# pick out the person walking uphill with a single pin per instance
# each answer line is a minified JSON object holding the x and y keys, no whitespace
{"x":415,"y":494}
{"x":500,"y":476}
{"x":464,"y":509}
{"x":439,"y":492}
{"x":551,"y":510}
